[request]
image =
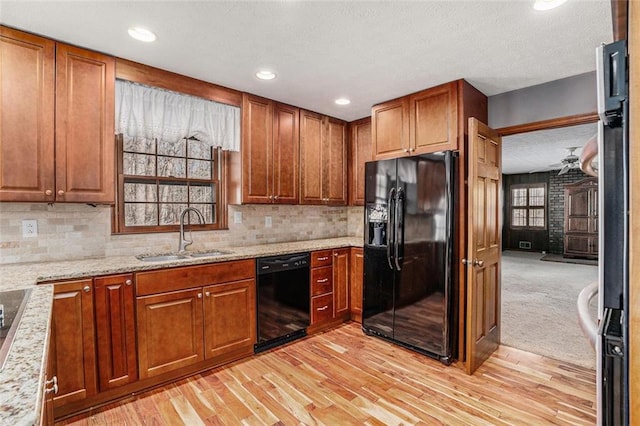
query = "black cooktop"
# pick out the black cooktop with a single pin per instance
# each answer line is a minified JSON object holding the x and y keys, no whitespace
{"x":12,"y":304}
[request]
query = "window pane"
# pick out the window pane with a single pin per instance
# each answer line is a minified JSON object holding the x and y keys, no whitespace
{"x":140,"y":192}
{"x":199,"y":169}
{"x":536,"y":196}
{"x":175,"y":193}
{"x":170,"y":213}
{"x":197,"y":149}
{"x":139,"y":164}
{"x":207,"y":211}
{"x":519,"y":217}
{"x":142,"y":145}
{"x":171,"y":167}
{"x":519,"y":197}
{"x":140,"y":214}
{"x":536,"y":218}
{"x":173,"y":149}
{"x":201,"y":194}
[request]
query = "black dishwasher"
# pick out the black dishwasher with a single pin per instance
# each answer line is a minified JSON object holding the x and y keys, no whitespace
{"x":283,"y":299}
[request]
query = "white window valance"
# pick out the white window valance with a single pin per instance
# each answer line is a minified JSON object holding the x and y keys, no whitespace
{"x":149,"y":112}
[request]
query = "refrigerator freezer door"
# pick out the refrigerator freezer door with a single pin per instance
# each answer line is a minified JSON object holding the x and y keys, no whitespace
{"x":422,"y":287}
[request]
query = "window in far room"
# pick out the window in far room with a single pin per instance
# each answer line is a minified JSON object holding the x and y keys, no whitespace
{"x":528,"y":206}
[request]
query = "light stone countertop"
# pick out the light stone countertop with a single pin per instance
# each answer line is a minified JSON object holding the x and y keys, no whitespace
{"x":23,"y":374}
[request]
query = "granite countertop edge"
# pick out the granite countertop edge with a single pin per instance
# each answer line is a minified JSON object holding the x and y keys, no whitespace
{"x":22,"y":377}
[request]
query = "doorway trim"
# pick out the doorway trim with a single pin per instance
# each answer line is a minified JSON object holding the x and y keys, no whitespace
{"x":553,"y":123}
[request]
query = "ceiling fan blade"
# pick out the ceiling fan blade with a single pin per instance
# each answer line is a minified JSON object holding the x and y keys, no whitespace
{"x":564,"y":169}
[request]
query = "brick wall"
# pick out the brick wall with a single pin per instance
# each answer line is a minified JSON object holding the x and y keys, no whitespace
{"x":556,"y":207}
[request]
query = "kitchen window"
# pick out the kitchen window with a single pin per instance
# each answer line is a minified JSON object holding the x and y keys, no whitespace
{"x":528,"y":206}
{"x":158,"y":180}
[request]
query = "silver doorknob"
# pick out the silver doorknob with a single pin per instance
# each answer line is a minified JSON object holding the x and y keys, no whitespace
{"x":474,"y":262}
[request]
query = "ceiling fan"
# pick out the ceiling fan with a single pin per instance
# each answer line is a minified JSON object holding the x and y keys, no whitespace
{"x":570,"y":161}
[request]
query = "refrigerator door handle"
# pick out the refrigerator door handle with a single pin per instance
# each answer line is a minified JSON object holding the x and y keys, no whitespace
{"x":398,"y":240}
{"x":390,"y":225}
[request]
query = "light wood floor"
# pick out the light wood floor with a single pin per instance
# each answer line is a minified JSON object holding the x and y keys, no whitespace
{"x":344,"y":377}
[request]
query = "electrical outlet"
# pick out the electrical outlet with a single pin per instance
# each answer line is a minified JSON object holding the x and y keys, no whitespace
{"x":29,"y":228}
{"x":237,"y":217}
{"x":267,"y":221}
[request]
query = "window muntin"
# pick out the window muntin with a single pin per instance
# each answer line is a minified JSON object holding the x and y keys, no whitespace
{"x":158,"y":180}
{"x":528,"y":206}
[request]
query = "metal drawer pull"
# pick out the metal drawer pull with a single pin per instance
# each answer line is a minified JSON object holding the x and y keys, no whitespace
{"x":86,"y":289}
{"x":324,"y":258}
{"x":324,"y":280}
{"x":199,"y":295}
{"x":207,"y":294}
{"x":324,"y":308}
{"x":128,"y":282}
{"x":54,"y":388}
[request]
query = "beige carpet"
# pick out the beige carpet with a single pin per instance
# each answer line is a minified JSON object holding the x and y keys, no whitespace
{"x":539,"y":312}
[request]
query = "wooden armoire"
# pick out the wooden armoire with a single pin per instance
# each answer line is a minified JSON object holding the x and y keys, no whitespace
{"x":581,"y":219}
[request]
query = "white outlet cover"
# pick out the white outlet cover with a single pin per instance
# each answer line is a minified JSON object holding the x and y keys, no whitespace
{"x":29,"y":228}
{"x":237,"y":217}
{"x":267,"y":221}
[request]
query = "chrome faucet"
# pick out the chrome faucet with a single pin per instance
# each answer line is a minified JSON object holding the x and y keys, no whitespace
{"x":183,"y":242}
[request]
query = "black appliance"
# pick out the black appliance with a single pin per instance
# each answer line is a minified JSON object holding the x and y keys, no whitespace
{"x":283,"y":300}
{"x":612,"y":344}
{"x":408,"y":246}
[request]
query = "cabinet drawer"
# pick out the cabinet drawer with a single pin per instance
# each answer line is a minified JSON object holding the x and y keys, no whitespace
{"x":173,"y":279}
{"x":321,"y":280}
{"x":322,"y":308}
{"x":321,"y":258}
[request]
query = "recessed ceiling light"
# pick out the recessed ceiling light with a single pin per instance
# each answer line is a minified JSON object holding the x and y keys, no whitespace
{"x":142,"y":34}
{"x":547,"y":4}
{"x":265,"y":75}
{"x":342,"y":101}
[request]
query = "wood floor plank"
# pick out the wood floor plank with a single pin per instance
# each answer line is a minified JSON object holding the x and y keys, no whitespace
{"x":344,"y":377}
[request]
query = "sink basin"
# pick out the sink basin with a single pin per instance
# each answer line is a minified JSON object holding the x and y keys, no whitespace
{"x":162,"y":257}
{"x":211,"y":253}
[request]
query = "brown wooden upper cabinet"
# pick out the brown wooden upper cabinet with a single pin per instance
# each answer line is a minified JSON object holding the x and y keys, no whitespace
{"x":56,"y":121}
{"x":360,"y":153}
{"x":323,"y":160}
{"x":423,"y":122}
{"x":270,"y":146}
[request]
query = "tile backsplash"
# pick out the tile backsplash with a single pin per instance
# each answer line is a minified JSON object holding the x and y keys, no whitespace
{"x":77,"y":231}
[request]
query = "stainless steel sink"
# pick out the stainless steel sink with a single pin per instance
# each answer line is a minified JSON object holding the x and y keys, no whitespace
{"x":211,"y":253}
{"x":161,"y":257}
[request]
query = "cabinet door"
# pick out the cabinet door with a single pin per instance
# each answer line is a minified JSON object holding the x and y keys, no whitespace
{"x":73,"y":341}
{"x":360,"y":153}
{"x":433,"y":120}
{"x":286,"y":147}
{"x":257,"y":146}
{"x":334,"y":159}
{"x":229,"y":318}
{"x":341,"y":283}
{"x":169,"y":327}
{"x":578,"y":209}
{"x":50,"y":382}
{"x":115,"y":331}
{"x":390,"y":129}
{"x":26,"y":117}
{"x":85,"y":126}
{"x":356,"y":265}
{"x":311,"y":136}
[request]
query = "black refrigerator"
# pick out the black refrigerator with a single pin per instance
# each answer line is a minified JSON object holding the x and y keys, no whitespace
{"x":613,"y":152}
{"x":408,"y":248}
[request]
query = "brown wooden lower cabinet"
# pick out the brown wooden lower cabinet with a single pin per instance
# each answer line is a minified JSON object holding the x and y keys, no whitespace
{"x":73,"y":341}
{"x":356,"y":263}
{"x":341,"y":283}
{"x":49,"y":389}
{"x":170,"y":331}
{"x":115,"y":331}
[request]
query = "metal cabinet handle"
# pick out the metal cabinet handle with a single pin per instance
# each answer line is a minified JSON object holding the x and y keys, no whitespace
{"x":48,"y":192}
{"x":61,"y":192}
{"x":335,"y":254}
{"x":128,"y":282}
{"x":324,"y":280}
{"x":324,"y":258}
{"x":276,"y":197}
{"x":324,"y":308}
{"x":271,"y":197}
{"x":207,"y":293}
{"x":86,"y":289}
{"x":199,"y":295}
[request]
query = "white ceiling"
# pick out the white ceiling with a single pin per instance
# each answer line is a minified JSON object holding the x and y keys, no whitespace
{"x":364,"y":50}
{"x":543,"y":150}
